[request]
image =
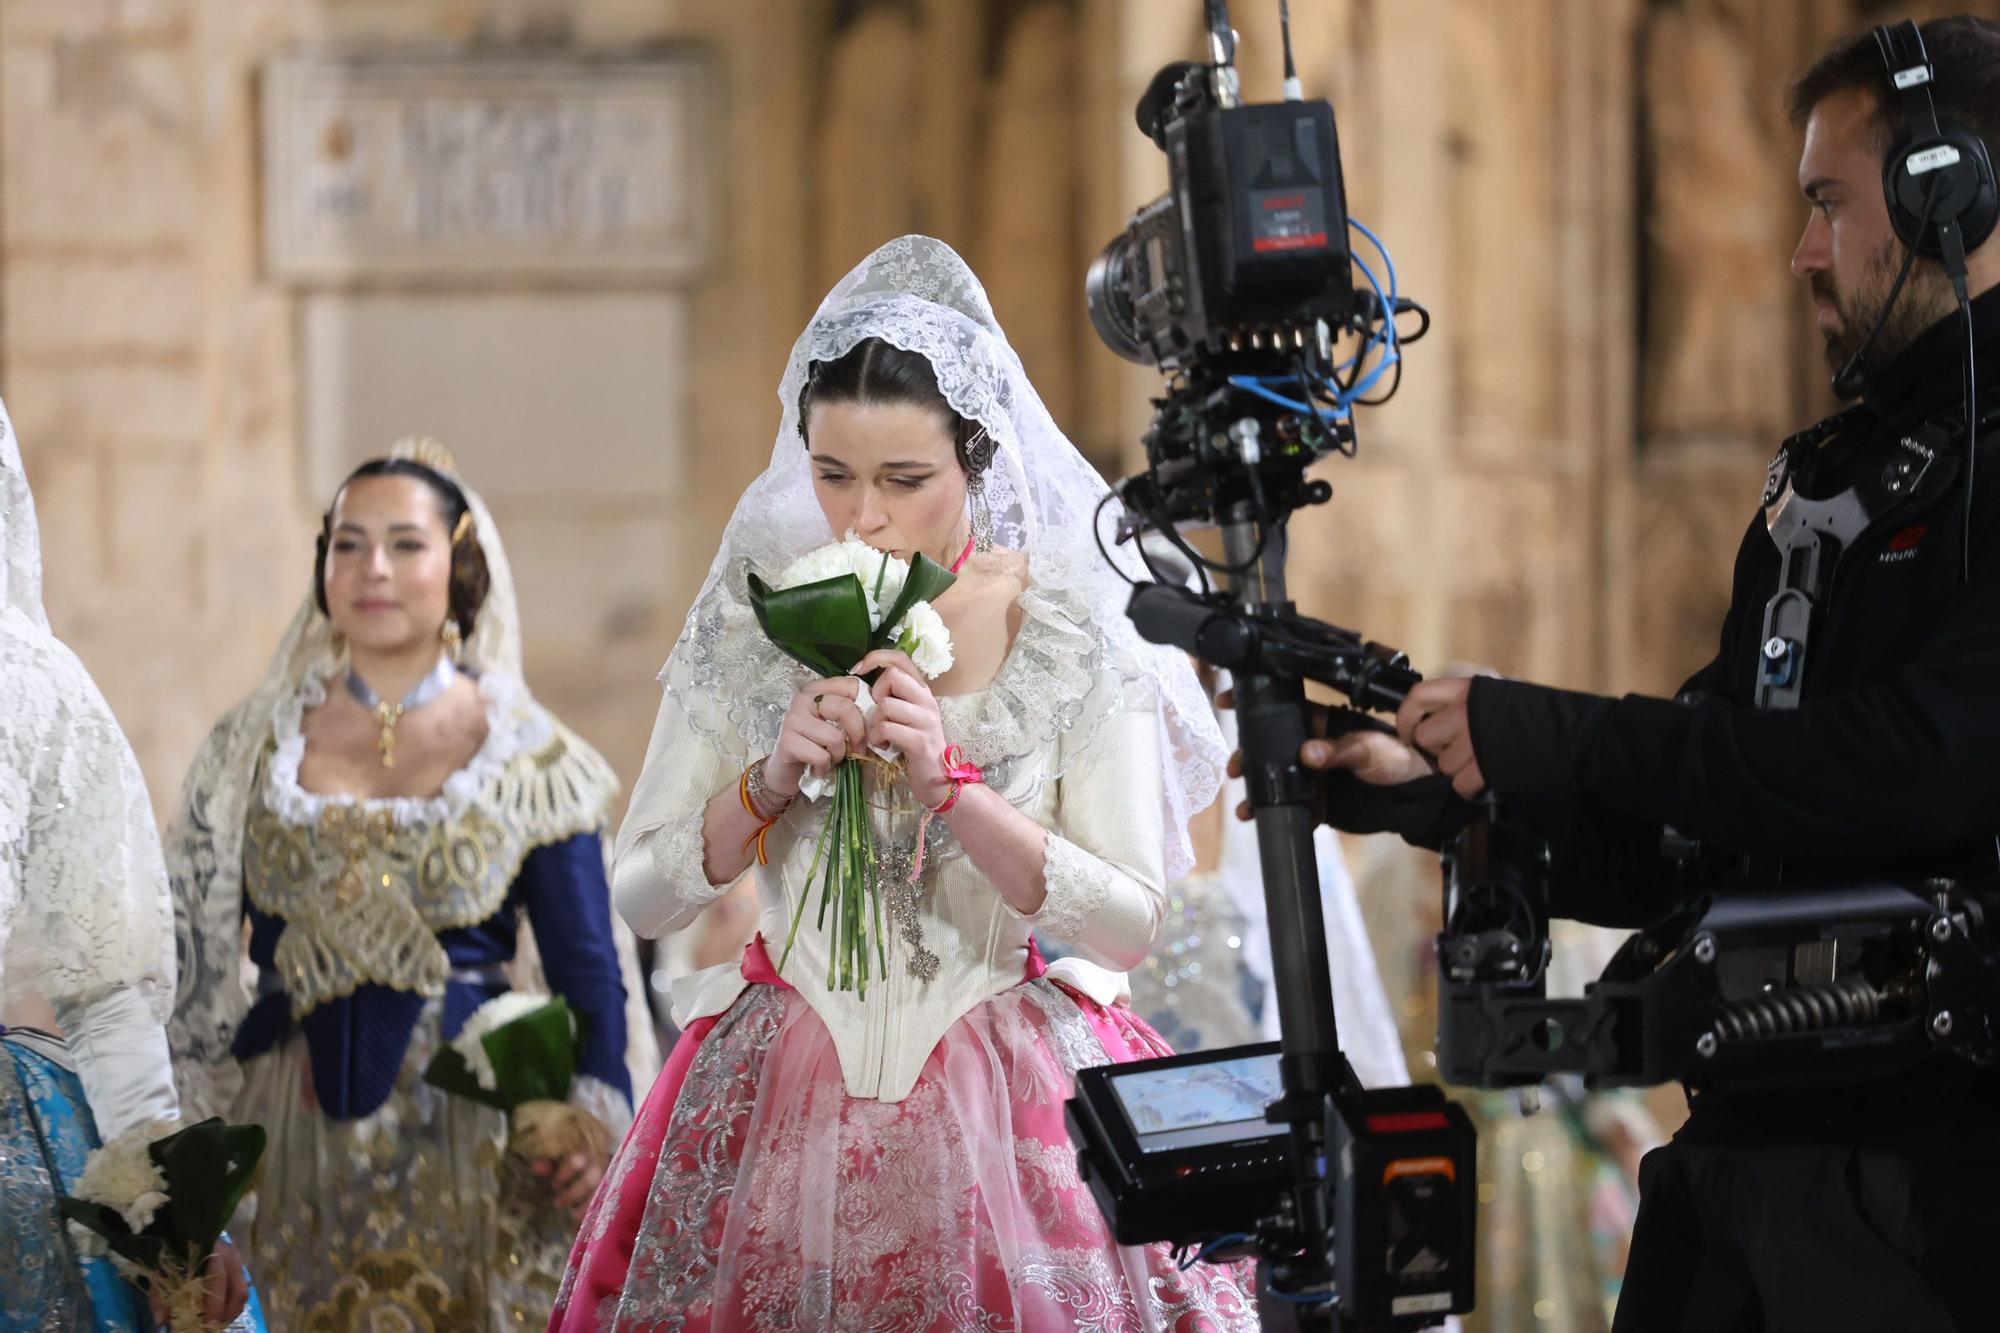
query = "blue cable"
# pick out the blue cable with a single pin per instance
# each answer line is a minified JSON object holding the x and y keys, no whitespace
{"x":1327,"y":1298}
{"x":1234,"y":1237}
{"x":1384,"y":339}
{"x":1249,"y":384}
{"x":1380,"y":249}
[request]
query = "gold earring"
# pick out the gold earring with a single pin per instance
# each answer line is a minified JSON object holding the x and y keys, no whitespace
{"x":454,"y":642}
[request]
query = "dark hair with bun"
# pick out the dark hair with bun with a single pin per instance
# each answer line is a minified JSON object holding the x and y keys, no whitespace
{"x":470,"y":578}
{"x":873,"y":371}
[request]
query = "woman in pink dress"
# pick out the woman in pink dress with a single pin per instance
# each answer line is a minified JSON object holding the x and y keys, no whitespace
{"x":813,"y":1158}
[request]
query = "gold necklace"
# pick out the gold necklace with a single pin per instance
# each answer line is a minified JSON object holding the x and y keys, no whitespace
{"x":388,"y":714}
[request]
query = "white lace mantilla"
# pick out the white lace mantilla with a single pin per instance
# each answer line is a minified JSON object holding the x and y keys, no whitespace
{"x":83,"y":908}
{"x":83,"y":893}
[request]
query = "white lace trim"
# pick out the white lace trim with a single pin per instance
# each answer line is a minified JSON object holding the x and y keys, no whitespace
{"x":1078,"y":890}
{"x":20,"y":537}
{"x":1041,"y":690}
{"x":509,"y":732}
{"x":680,"y":856}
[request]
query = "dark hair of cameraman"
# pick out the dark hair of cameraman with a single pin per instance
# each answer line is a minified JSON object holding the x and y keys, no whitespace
{"x":1861,"y":743}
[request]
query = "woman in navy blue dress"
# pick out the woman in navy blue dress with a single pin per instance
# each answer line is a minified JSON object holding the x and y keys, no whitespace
{"x":380,"y":819}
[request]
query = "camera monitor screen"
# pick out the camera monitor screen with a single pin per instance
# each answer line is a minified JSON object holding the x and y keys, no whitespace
{"x":1191,"y":1105}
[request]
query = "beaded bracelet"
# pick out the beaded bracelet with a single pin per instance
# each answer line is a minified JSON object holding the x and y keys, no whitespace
{"x":746,"y":786}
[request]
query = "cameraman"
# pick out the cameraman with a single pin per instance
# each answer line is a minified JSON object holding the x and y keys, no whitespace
{"x":1871,"y":1205}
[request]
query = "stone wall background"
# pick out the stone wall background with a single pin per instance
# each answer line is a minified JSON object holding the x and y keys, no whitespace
{"x":1594,"y":196}
{"x":1596,"y":199}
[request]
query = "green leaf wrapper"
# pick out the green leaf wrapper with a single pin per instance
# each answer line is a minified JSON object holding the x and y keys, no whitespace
{"x":927,"y":580}
{"x":534,"y":1059}
{"x":208,"y":1167}
{"x":823,"y":624}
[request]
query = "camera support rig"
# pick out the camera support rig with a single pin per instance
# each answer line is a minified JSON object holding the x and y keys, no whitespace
{"x":1750,"y":986}
{"x":1239,"y":282}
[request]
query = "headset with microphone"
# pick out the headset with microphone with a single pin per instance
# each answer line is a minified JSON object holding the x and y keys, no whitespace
{"x":1935,"y":167}
{"x":1937,"y":179}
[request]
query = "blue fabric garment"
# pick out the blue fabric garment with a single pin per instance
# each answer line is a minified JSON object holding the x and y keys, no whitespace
{"x":46,"y":1132}
{"x":357,"y":1043}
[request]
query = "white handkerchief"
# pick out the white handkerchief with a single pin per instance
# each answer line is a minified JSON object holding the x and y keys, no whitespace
{"x":812,"y":786}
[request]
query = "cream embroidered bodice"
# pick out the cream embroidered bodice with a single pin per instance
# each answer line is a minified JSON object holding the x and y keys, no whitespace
{"x":1064,"y":737}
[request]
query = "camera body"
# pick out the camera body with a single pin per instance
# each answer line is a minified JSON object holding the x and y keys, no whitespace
{"x":1247,"y":252}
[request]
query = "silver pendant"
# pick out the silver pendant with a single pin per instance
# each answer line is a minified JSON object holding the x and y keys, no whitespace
{"x":895,"y":865}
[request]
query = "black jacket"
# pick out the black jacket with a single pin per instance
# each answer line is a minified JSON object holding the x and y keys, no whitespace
{"x":1891,"y":762}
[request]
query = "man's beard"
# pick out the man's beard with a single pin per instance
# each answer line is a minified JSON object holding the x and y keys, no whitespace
{"x":1926,"y":298}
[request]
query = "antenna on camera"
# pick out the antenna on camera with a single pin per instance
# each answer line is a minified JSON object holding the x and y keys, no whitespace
{"x":1294,"y":90}
{"x":1228,"y":85}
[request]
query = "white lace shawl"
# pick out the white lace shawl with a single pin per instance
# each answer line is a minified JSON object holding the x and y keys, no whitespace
{"x":204,"y":842}
{"x":84,"y":916}
{"x":1046,"y":502}
{"x":20,"y":538}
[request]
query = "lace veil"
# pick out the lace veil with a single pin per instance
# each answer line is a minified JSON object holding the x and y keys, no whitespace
{"x":204,"y":844}
{"x":916,"y":293}
{"x":20,"y":538}
{"x":83,"y":900}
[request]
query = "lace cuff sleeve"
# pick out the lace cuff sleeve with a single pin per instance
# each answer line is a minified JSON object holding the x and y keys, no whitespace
{"x":1094,"y":905}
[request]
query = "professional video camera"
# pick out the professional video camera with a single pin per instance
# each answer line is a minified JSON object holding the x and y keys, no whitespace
{"x":1240,"y":283}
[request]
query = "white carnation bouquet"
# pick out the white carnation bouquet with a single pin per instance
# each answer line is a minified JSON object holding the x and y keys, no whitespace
{"x":157,"y":1198}
{"x":830,"y":608}
{"x":517,"y":1053}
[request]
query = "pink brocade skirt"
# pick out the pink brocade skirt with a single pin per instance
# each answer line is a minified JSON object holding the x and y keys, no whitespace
{"x":754,"y":1194}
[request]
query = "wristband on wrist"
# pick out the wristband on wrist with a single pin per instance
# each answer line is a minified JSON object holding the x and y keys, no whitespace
{"x":959,"y":773}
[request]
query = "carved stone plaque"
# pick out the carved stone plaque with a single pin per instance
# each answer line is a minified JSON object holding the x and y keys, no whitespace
{"x":486,"y":169}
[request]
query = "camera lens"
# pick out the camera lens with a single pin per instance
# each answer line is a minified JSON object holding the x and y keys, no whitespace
{"x":1108,"y":291}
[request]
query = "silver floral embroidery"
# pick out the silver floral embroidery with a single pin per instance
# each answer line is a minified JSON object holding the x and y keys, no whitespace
{"x":1064,"y":1026}
{"x":909,"y":1243}
{"x":674,"y":1254}
{"x":903,"y":894}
